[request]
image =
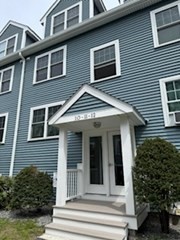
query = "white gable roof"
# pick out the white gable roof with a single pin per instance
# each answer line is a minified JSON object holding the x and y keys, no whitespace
{"x":112,"y":101}
{"x":27,"y":29}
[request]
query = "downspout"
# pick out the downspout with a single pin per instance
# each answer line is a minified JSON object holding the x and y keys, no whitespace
{"x":23,"y":61}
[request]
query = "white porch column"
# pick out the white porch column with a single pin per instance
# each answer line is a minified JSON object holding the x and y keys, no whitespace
{"x":61,"y":190}
{"x":127,"y":154}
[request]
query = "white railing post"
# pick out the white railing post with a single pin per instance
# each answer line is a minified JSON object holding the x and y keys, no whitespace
{"x":80,"y":179}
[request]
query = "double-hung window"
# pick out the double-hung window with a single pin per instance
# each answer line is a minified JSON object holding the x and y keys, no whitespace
{"x":3,"y":127}
{"x":6,"y":77}
{"x":166,"y":24}
{"x":66,"y":18}
{"x":50,"y":65}
{"x":8,"y":46}
{"x":39,"y":117}
{"x":105,"y":61}
{"x":170,"y":94}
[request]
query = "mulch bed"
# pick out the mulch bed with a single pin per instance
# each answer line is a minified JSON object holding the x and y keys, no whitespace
{"x":151,"y":229}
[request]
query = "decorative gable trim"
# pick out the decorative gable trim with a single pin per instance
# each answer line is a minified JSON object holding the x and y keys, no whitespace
{"x":115,"y":103}
{"x":26,"y":30}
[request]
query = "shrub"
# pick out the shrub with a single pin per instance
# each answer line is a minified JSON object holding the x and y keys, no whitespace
{"x":6,"y":184}
{"x":32,"y":189}
{"x":157,"y":177}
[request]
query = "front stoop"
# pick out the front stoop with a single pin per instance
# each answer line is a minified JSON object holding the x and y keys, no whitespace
{"x":84,"y":220}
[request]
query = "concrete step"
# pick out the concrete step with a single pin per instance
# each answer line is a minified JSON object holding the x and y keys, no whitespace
{"x":78,"y":233}
{"x":91,"y":223}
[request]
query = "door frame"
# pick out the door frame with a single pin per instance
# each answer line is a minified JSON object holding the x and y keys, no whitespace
{"x":107,"y":151}
{"x":114,"y":190}
{"x":93,"y":188}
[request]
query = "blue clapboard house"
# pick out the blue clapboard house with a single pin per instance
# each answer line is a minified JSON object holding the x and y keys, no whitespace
{"x":78,"y":102}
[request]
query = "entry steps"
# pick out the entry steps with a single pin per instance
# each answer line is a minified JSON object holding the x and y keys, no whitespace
{"x":73,"y":224}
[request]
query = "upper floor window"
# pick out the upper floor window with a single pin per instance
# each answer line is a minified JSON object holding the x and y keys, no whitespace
{"x":3,"y":127}
{"x":50,"y":65}
{"x":6,"y":77}
{"x":105,"y":61}
{"x":66,"y":18}
{"x":166,"y":24}
{"x":170,"y":94}
{"x":8,"y":46}
{"x":39,"y":127}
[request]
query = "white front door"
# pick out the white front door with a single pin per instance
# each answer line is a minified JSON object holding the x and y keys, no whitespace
{"x":103,"y":163}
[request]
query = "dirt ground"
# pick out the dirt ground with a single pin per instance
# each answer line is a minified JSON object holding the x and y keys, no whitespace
{"x":151,"y":229}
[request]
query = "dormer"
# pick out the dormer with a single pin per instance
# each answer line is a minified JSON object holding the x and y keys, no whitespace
{"x":63,"y":14}
{"x":15,"y":36}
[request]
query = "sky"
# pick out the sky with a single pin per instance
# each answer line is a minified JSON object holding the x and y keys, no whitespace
{"x":30,"y":12}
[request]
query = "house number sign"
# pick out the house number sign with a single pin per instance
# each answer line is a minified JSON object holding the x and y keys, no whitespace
{"x":85,"y":116}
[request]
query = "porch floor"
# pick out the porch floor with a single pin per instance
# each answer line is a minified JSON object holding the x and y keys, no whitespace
{"x":116,"y":208}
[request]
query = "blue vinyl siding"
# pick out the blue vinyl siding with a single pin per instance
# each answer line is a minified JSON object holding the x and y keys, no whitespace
{"x":10,"y":31}
{"x":8,"y":103}
{"x":141,"y":66}
{"x":87,"y":103}
{"x":29,"y":40}
{"x":62,"y":5}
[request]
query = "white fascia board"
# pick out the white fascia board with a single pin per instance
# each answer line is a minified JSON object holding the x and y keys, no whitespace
{"x":84,"y":26}
{"x":42,"y":20}
{"x":97,"y":114}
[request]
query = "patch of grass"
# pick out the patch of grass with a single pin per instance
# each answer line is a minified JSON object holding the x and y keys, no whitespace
{"x":19,"y":230}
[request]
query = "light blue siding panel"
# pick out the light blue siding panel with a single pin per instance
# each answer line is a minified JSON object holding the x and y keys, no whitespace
{"x":63,"y":4}
{"x":8,"y":103}
{"x":86,"y":103}
{"x":29,"y":40}
{"x":10,"y":31}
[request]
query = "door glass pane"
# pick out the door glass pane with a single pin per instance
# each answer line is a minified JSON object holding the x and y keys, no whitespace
{"x":96,"y":163}
{"x":118,"y":164}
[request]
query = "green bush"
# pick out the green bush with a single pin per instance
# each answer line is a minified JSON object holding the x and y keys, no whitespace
{"x":6,"y":184}
{"x":32,"y":189}
{"x":157,"y":176}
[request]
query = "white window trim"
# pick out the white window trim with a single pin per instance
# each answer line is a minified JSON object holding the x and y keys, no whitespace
{"x":11,"y":80}
{"x":5,"y":126}
{"x":164,"y":99}
{"x":154,"y":25}
{"x":65,"y":15}
{"x":64,"y":48}
{"x":6,"y":40}
{"x":45,"y":137}
{"x":117,"y":55}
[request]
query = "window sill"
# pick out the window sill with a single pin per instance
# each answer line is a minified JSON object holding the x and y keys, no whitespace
{"x":2,"y":93}
{"x":165,"y":44}
{"x":49,"y":79}
{"x":42,"y":139}
{"x":104,"y":79}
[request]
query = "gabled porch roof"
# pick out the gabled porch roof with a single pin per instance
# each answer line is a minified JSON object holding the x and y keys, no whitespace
{"x":73,"y":112}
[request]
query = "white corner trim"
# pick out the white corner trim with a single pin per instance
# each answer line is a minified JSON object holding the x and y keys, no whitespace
{"x":164,"y":99}
{"x":17,"y":118}
{"x":64,"y":48}
{"x":117,"y":57}
{"x":5,"y":126}
{"x":91,"y":8}
{"x":154,"y":24}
